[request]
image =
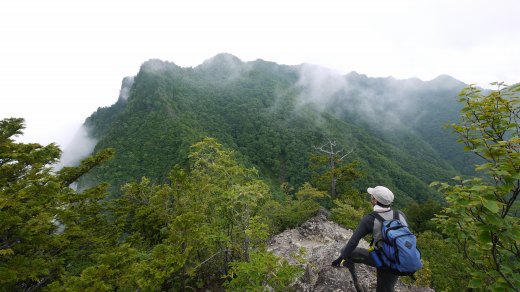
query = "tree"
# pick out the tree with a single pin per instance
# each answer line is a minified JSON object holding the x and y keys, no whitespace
{"x":43,"y":222}
{"x":234,"y":193}
{"x":480,"y":217}
{"x":264,"y":269}
{"x":447,"y":267}
{"x":419,"y":216}
{"x":292,"y":212}
{"x":350,"y":208}
{"x":331,"y":165}
{"x":183,"y":234}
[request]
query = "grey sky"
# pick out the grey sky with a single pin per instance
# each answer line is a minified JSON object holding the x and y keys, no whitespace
{"x":62,"y":59}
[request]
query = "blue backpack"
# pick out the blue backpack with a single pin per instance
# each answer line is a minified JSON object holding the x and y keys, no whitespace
{"x":398,"y":251}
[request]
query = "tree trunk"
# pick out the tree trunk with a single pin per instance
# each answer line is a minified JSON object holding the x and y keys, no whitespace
{"x":245,"y":219}
{"x":333,"y":177}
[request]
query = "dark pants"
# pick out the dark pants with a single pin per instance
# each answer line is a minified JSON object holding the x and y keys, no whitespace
{"x":385,"y":280}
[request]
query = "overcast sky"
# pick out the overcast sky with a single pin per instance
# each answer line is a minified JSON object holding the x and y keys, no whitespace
{"x":62,"y":59}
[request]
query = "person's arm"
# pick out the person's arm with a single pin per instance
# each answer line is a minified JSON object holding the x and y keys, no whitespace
{"x":365,"y":227}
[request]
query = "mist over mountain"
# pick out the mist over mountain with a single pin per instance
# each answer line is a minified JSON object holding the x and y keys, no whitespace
{"x":272,"y":115}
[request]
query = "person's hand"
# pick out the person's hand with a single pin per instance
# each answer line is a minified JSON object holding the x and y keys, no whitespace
{"x":338,"y":262}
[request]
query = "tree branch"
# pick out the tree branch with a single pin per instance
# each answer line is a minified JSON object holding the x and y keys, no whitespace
{"x":347,"y":154}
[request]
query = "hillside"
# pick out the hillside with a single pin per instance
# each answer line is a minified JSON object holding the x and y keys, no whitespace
{"x":272,"y":115}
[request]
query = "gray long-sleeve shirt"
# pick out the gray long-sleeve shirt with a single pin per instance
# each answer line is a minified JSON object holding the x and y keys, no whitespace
{"x":369,"y":224}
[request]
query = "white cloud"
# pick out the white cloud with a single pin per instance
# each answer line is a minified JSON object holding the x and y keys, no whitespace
{"x":79,"y":148}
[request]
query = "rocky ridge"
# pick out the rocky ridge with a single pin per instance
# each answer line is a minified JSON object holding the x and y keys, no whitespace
{"x":318,"y":241}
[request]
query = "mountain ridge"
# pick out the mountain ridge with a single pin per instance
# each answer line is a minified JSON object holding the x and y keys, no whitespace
{"x":272,"y":115}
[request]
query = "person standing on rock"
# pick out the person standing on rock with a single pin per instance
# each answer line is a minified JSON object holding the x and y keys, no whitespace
{"x":381,"y":198}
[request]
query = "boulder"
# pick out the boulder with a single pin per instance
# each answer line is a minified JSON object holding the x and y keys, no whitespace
{"x":318,"y":242}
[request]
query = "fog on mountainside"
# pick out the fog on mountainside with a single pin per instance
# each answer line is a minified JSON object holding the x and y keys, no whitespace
{"x":82,"y":144}
{"x":80,"y":147}
{"x":273,"y":114}
{"x":126,"y":86}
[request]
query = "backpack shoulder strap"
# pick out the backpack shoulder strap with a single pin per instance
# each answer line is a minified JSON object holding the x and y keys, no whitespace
{"x":381,"y":220}
{"x":378,"y":217}
{"x":396,"y":214}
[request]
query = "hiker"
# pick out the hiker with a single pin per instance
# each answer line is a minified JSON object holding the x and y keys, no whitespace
{"x":381,"y":198}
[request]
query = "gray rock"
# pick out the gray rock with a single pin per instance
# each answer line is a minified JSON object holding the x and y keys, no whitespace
{"x":319,"y":242}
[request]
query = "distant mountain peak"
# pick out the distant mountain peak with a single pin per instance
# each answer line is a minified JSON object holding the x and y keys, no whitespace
{"x":222,"y":59}
{"x":157,"y":65}
{"x":223,"y":66}
{"x":444,"y":77}
{"x":446,"y":81}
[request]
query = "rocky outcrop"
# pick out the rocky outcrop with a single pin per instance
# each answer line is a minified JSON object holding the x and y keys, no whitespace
{"x":126,"y":87}
{"x":318,"y":241}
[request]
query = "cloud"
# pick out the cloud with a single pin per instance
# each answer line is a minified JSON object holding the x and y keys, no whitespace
{"x":80,"y":147}
{"x":126,"y":86}
{"x":319,"y":84}
{"x":385,"y":103}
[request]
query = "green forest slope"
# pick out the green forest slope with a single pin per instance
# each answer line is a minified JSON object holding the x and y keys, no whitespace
{"x":273,"y":115}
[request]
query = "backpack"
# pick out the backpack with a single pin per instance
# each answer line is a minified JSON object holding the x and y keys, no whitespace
{"x":398,"y":251}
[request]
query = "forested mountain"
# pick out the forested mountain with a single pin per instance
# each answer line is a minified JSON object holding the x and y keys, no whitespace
{"x":207,"y":165}
{"x":274,"y":116}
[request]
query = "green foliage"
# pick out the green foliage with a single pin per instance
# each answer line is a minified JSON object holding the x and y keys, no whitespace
{"x":331,"y":172}
{"x":308,"y":192}
{"x":349,"y":209}
{"x":144,"y":210}
{"x":292,"y":212}
{"x":262,"y":271}
{"x":153,"y":237}
{"x":110,"y":270}
{"x":258,"y":110}
{"x":234,"y":192}
{"x":419,"y":216}
{"x":45,"y":226}
{"x":423,"y":277}
{"x":186,"y":233}
{"x":446,"y":267}
{"x":480,"y":217}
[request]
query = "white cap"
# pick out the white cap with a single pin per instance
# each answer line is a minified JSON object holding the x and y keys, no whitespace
{"x":382,"y":194}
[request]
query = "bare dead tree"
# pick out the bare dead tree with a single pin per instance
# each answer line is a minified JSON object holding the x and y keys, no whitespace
{"x":334,"y":155}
